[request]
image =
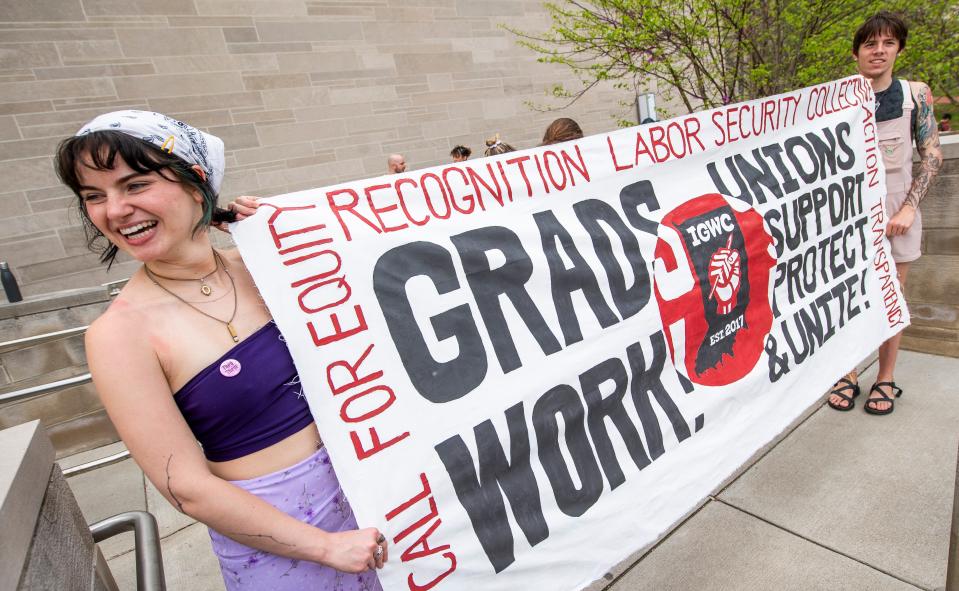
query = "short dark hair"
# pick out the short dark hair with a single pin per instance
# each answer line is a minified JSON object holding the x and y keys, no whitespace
{"x":563,"y":129}
{"x":947,"y":116}
{"x":879,"y":23}
{"x":461,"y":152}
{"x":103,"y":147}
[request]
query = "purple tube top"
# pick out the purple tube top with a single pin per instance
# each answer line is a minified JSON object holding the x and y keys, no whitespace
{"x":247,"y":400}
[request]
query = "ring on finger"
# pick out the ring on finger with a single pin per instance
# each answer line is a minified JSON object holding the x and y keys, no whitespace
{"x":378,"y":553}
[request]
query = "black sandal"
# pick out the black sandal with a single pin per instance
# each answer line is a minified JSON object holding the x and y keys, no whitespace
{"x":838,"y":390}
{"x":897,"y":392}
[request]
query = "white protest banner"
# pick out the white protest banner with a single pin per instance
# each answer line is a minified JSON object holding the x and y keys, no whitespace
{"x":529,"y":366}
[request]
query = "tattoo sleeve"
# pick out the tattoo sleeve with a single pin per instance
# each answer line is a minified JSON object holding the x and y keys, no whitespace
{"x":927,"y":143}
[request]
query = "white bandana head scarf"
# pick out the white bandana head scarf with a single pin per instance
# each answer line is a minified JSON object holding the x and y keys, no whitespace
{"x":169,"y":135}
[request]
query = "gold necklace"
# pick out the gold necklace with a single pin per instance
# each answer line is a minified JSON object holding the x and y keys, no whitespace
{"x":229,"y":323}
{"x":205,"y":288}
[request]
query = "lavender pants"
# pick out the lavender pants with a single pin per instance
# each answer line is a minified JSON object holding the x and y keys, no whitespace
{"x":310,"y":492}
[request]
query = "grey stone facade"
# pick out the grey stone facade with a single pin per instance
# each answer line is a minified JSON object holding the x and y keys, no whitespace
{"x":304,"y":93}
{"x":933,"y":282}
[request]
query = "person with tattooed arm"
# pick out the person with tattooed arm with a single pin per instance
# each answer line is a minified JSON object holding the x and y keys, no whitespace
{"x":904,"y":112}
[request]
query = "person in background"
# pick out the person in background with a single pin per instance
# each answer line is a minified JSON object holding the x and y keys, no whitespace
{"x":903,"y":114}
{"x":187,"y":352}
{"x":945,"y":124}
{"x":563,"y":129}
{"x":495,"y":146}
{"x":396,"y":164}
{"x":460,"y":154}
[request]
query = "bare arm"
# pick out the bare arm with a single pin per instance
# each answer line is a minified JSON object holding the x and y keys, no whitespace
{"x":927,"y":143}
{"x":135,"y":393}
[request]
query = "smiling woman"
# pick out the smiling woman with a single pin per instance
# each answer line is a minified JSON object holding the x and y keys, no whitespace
{"x":90,"y":160}
{"x":187,"y":353}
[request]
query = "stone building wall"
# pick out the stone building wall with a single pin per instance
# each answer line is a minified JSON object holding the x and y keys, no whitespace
{"x":304,"y":93}
{"x":932,"y":286}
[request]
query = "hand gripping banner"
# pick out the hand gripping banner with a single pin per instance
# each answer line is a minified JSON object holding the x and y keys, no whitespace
{"x":528,"y":367}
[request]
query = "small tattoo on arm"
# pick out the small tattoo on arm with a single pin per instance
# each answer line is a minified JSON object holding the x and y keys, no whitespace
{"x":169,"y":490}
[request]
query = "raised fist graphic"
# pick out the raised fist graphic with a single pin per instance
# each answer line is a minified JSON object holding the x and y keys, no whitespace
{"x":724,"y":277}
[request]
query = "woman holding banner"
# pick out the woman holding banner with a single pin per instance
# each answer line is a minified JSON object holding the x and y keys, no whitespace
{"x":188,"y":352}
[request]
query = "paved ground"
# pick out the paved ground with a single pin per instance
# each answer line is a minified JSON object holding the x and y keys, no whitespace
{"x":840,"y":501}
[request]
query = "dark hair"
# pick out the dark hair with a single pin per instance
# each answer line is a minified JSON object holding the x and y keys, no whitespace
{"x":879,"y":23}
{"x":494,"y":146}
{"x":947,"y":116}
{"x":461,"y":152}
{"x":563,"y":129}
{"x":103,"y":147}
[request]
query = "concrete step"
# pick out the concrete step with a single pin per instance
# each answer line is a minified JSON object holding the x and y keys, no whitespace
{"x":74,"y":418}
{"x":81,"y":433}
{"x":23,"y":367}
{"x":72,"y":413}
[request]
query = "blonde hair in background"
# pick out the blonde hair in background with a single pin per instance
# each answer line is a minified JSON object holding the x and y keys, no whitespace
{"x":495,"y":146}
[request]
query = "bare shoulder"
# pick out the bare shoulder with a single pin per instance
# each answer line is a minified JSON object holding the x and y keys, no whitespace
{"x":120,"y":329}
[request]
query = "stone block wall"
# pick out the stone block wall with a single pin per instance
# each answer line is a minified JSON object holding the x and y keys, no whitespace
{"x":303,"y":92}
{"x":932,"y":286}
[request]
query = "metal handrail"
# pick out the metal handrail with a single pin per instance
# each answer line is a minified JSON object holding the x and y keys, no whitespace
{"x":113,"y":287}
{"x":23,"y":394}
{"x":40,"y":339}
{"x":98,"y":463}
{"x":146,"y":548}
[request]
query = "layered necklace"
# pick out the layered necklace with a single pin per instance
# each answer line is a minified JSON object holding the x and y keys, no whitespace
{"x":205,"y":289}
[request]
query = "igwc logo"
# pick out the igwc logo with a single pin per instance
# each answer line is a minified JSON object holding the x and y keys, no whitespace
{"x":711,"y":273}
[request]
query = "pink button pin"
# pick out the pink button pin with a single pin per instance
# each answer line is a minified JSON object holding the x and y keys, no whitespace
{"x":230,"y":368}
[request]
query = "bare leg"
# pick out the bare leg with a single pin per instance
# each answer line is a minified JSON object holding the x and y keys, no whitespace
{"x":888,"y":351}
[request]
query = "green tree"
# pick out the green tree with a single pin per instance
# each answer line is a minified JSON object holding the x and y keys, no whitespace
{"x":932,"y":50}
{"x":712,"y":52}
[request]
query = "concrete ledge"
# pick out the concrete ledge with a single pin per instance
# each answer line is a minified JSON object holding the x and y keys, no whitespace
{"x":25,"y":468}
{"x":55,"y":301}
{"x":62,"y":555}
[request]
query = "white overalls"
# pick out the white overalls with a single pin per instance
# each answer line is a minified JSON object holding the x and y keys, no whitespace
{"x":895,"y":144}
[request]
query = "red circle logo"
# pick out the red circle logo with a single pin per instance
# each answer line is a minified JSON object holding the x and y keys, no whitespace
{"x":712,"y":269}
